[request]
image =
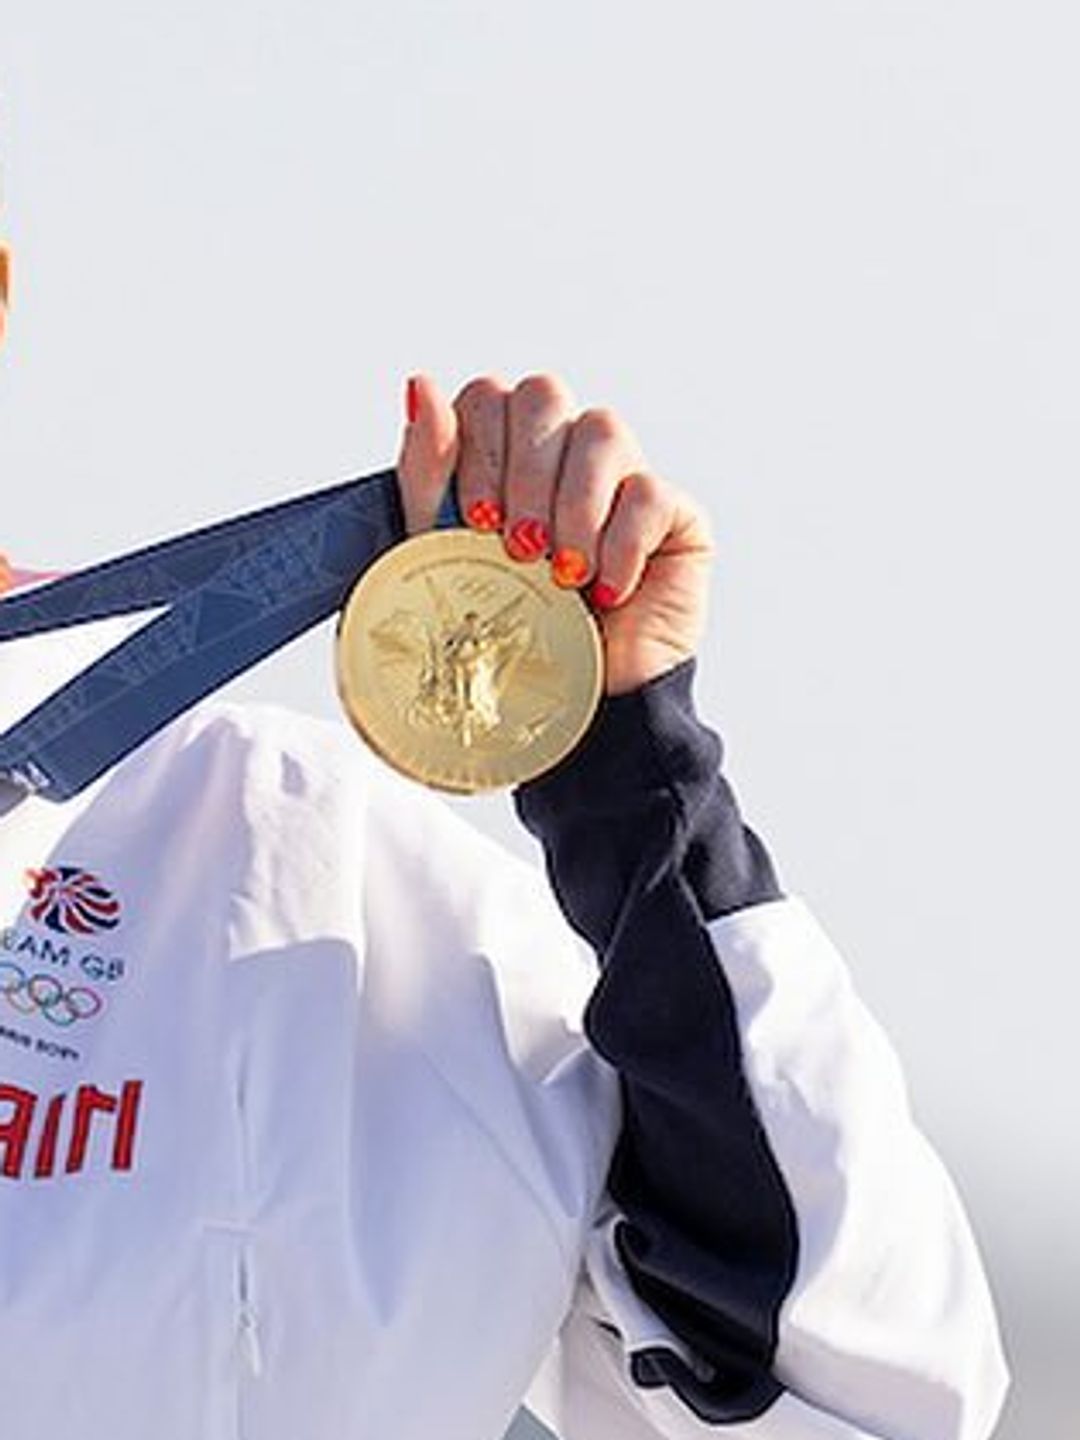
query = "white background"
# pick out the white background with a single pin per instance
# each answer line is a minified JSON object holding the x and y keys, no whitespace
{"x":825,"y":258}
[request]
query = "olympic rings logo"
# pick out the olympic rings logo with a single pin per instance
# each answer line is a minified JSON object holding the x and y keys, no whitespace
{"x":45,"y":994}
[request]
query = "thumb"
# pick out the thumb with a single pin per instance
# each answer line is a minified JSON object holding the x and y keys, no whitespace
{"x":429,"y":451}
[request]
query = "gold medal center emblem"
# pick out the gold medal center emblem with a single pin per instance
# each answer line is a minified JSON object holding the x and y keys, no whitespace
{"x":463,"y":668}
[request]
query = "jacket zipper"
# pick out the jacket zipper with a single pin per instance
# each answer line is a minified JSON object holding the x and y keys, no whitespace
{"x":248,"y":1319}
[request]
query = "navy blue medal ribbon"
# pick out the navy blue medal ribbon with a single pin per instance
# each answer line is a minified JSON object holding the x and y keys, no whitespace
{"x":235,"y":591}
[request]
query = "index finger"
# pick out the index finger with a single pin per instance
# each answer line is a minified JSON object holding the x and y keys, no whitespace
{"x":428,"y":454}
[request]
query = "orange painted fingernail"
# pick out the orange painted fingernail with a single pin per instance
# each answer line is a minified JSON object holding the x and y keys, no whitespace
{"x":603,"y":596}
{"x":528,"y":539}
{"x":569,"y":567}
{"x":412,"y":402}
{"x":485,"y":515}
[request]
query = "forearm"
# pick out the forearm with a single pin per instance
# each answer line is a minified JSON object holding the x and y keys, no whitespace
{"x":778,"y":1208}
{"x":644,"y":844}
{"x":645,"y":793}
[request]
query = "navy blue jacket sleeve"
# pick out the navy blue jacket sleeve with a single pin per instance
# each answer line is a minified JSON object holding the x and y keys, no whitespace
{"x":644,"y":844}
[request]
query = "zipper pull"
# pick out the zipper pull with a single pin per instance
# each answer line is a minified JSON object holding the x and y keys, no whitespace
{"x":249,"y":1339}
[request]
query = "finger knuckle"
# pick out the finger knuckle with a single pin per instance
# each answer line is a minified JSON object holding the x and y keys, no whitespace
{"x":600,"y":425}
{"x":541,"y":392}
{"x":641,"y":489}
{"x":482,"y":395}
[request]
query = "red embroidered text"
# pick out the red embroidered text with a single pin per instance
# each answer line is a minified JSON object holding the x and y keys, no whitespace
{"x":30,"y":1128}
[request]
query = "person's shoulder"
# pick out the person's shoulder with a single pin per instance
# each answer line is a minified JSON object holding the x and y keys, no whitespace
{"x":272,"y":752}
{"x":225,"y":758}
{"x":319,"y":779}
{"x":262,"y":738}
{"x":258,"y":723}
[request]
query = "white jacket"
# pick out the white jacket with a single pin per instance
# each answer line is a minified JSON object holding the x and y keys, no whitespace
{"x":301,"y":1137}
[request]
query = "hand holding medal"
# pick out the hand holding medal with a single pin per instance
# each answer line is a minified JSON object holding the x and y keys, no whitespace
{"x":468,"y":657}
{"x":571,"y":489}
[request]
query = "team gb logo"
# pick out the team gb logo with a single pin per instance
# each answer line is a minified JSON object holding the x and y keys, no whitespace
{"x":71,"y":901}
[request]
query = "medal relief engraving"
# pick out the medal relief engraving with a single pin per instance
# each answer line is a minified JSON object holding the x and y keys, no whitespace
{"x":463,"y":668}
{"x":465,"y":663}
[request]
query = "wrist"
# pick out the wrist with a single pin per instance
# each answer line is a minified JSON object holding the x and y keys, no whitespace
{"x":643,"y":666}
{"x":643,"y":791}
{"x":622,"y":755}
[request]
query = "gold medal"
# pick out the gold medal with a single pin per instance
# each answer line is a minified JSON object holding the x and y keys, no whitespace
{"x":463,"y":668}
